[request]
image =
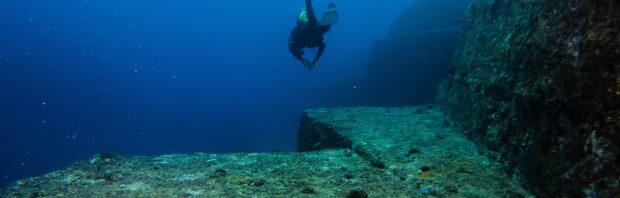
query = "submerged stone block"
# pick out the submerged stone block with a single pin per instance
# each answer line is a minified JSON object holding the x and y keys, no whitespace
{"x":408,"y":69}
{"x":407,"y":66}
{"x":537,"y":82}
{"x":382,"y":136}
{"x":445,"y":164}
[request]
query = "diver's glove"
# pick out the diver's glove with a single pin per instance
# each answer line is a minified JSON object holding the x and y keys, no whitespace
{"x":314,"y":63}
{"x":308,"y":64}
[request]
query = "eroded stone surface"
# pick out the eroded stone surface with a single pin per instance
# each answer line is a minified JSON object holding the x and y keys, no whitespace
{"x":538,"y":82}
{"x":422,"y":156}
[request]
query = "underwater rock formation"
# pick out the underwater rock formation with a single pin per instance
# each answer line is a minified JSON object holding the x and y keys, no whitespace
{"x":408,"y":70}
{"x":425,"y":15}
{"x":407,"y":67}
{"x":423,"y":157}
{"x":539,"y":83}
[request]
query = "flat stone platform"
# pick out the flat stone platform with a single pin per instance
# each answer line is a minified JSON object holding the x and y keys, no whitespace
{"x":345,"y":152}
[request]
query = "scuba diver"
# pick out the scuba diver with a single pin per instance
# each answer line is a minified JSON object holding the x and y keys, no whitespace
{"x":308,"y":33}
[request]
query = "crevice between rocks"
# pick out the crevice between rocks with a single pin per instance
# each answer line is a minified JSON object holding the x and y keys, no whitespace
{"x":315,"y":135}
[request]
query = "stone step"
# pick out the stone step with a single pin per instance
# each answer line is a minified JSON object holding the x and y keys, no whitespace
{"x":346,"y":152}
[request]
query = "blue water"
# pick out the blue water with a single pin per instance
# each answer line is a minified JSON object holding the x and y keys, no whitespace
{"x":147,"y":77}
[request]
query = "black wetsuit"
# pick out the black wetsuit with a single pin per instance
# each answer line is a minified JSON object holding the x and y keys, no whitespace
{"x":308,"y":35}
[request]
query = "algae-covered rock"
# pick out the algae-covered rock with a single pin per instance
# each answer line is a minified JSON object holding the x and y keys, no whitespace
{"x":538,"y":82}
{"x":387,"y":136}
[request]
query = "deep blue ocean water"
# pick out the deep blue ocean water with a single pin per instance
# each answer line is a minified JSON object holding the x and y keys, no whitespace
{"x":147,"y":77}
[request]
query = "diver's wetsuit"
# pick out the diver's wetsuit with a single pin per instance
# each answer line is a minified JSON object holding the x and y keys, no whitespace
{"x":308,"y":34}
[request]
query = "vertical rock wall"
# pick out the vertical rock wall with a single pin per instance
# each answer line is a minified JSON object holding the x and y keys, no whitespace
{"x":538,"y":82}
{"x":408,"y":65}
{"x":407,"y":70}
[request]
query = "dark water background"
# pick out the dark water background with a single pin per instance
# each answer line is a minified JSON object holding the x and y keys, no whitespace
{"x":146,"y":77}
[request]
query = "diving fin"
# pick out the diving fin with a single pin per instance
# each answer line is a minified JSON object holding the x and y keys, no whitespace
{"x":331,"y":15}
